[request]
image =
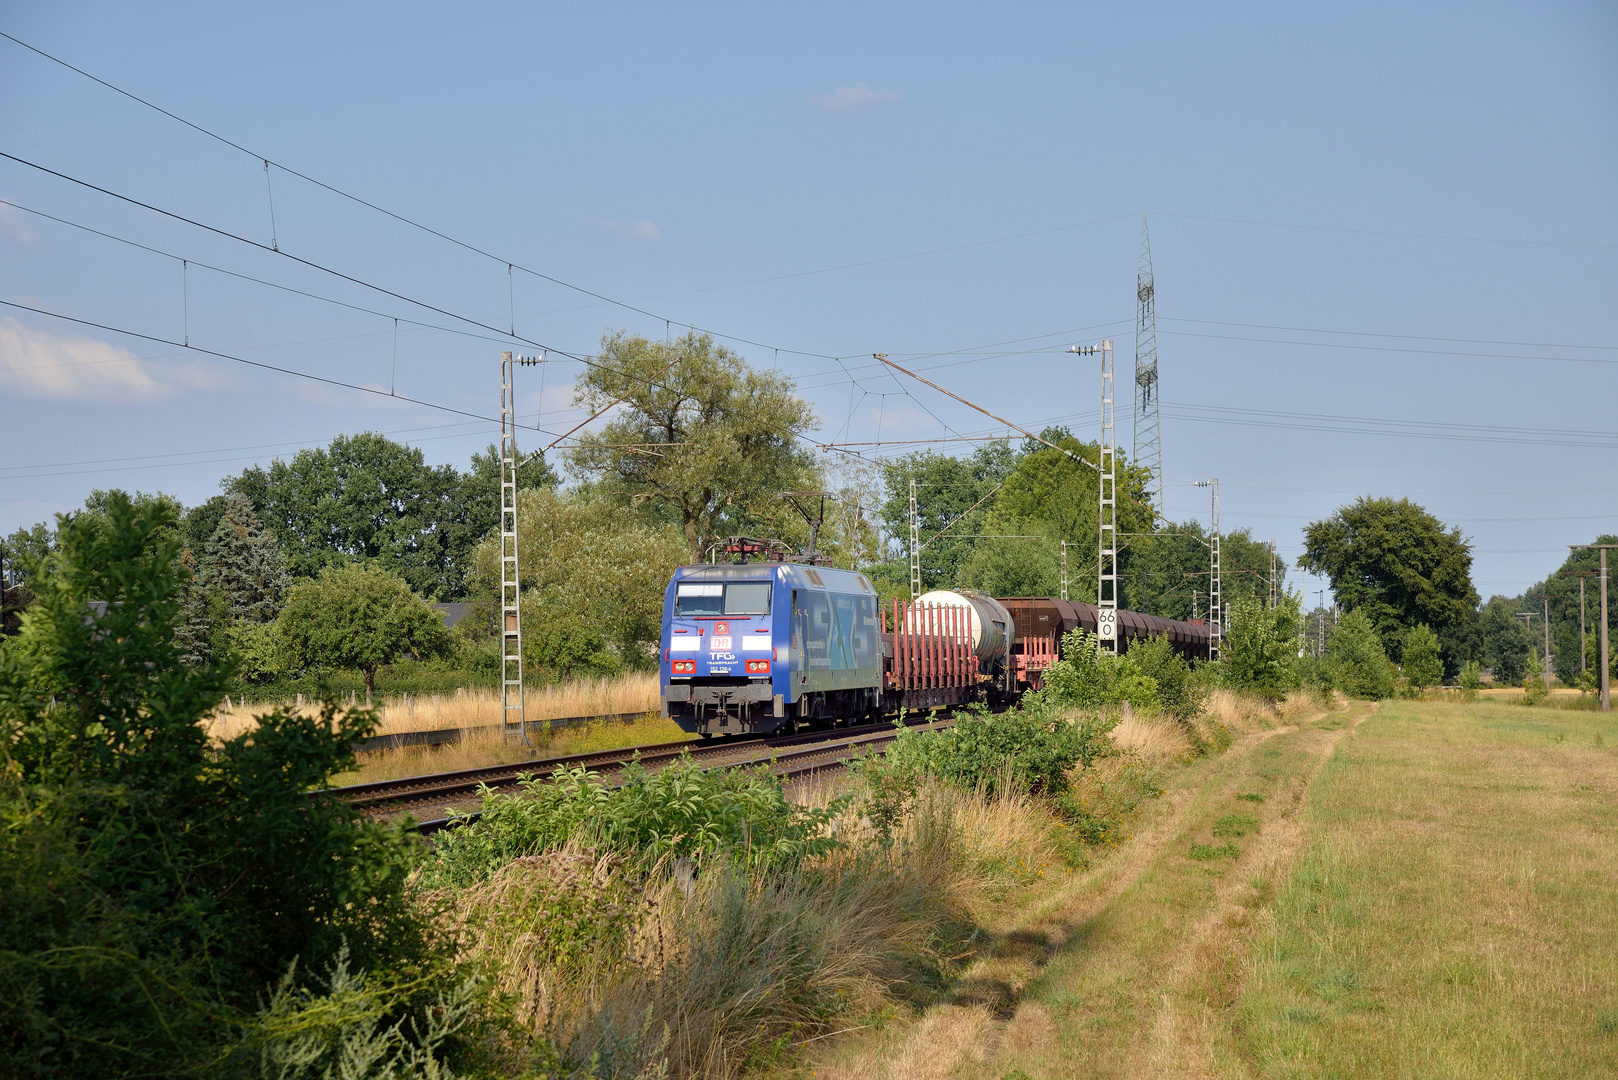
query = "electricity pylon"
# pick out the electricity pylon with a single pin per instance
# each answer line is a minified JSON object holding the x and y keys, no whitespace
{"x":1147,"y":451}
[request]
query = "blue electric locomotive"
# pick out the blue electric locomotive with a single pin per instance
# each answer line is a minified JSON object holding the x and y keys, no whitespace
{"x":766,"y":646}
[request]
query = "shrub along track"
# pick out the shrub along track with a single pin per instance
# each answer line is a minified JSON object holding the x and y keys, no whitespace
{"x":1121,"y":970}
{"x":792,"y":757}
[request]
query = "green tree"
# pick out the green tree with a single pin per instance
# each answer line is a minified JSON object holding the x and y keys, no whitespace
{"x":1395,"y":562}
{"x":1354,"y":655}
{"x":1014,"y":558}
{"x":27,"y":547}
{"x":1470,"y":678}
{"x":359,"y":616}
{"x":950,"y":491}
{"x":153,"y":887}
{"x":1561,"y":591}
{"x":707,"y":440}
{"x":1505,"y":640}
{"x":366,"y":497}
{"x":592,"y":581}
{"x":1423,"y":666}
{"x":1162,"y":571}
{"x":245,"y":565}
{"x":1260,"y":652}
{"x":1533,"y":679}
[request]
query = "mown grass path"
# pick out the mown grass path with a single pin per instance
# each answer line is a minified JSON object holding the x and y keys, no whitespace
{"x":1415,"y":890}
{"x":1454,"y":912}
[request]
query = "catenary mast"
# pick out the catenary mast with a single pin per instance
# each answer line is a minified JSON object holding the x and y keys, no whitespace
{"x":1147,"y":451}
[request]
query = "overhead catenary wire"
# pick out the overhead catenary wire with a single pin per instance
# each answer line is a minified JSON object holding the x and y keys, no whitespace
{"x":511,"y":264}
{"x":587,"y":360}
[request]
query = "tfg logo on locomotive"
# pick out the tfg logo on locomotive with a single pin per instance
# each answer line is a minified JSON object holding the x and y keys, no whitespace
{"x":773,"y":640}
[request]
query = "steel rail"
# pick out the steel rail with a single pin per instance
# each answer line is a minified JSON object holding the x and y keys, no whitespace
{"x":831,"y":756}
{"x":383,"y":796}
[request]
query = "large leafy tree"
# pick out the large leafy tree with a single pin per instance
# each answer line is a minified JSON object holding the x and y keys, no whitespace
{"x":1561,"y":589}
{"x":1505,"y":640}
{"x":1260,"y":654}
{"x":1166,"y":573}
{"x":698,"y":438}
{"x":366,"y":497}
{"x":593,"y":580}
{"x":1392,"y":560}
{"x":359,"y":616}
{"x":948,"y":489}
{"x":153,"y":887}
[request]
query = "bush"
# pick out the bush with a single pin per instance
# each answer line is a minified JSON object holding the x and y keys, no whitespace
{"x":153,"y":887}
{"x":1423,"y":665}
{"x":680,"y":810}
{"x":1358,"y":665}
{"x":1533,"y":680}
{"x":1470,"y":678}
{"x":1089,"y":677}
{"x":1259,"y":654}
{"x":1179,"y":693}
{"x":1024,"y":749}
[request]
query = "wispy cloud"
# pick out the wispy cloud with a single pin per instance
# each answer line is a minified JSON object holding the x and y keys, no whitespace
{"x":39,"y":364}
{"x":635,"y":230}
{"x":852,"y":99}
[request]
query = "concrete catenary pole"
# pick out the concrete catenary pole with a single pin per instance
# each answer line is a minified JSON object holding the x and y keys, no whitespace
{"x":915,"y":545}
{"x":1606,"y":698}
{"x":1215,"y":609}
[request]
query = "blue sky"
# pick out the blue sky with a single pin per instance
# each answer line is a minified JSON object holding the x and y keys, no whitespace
{"x":1397,"y":213}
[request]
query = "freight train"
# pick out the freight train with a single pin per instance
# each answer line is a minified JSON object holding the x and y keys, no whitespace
{"x":762,"y":647}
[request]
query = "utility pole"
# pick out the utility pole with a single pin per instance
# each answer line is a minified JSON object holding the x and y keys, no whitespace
{"x":915,"y":545}
{"x":1320,"y":616}
{"x":1547,"y":623}
{"x":512,"y":713}
{"x":1584,"y":663}
{"x":1148,"y":443}
{"x":1064,"y":569}
{"x":1606,"y":699}
{"x":1215,"y":628}
{"x":1272,"y":575}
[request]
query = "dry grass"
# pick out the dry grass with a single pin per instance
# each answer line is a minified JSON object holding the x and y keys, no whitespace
{"x":1243,"y":712}
{"x":1151,"y":739}
{"x":480,"y":708}
{"x":474,"y":706}
{"x":726,"y":972}
{"x":491,"y":748}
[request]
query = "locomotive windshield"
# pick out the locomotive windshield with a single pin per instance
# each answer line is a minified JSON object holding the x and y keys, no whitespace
{"x":734,"y":598}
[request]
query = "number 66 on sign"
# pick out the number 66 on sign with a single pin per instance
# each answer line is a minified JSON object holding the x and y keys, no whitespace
{"x":1107,"y":624}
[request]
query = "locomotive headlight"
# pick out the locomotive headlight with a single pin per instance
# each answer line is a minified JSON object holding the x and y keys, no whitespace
{"x":758,"y":667}
{"x":685,"y":667}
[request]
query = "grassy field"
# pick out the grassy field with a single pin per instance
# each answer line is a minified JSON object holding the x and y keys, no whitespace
{"x":1410,"y":890}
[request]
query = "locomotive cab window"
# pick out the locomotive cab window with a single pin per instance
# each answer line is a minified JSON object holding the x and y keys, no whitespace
{"x":748,"y":597}
{"x":736,"y":598}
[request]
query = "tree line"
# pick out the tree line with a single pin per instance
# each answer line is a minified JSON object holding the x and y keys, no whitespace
{"x":698,"y":446}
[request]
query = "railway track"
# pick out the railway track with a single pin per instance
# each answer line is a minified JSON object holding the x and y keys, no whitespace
{"x":792,"y":757}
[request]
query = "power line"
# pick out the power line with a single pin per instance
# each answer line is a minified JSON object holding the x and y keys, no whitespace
{"x":1385,"y":232}
{"x":254,"y":363}
{"x":1410,"y":337}
{"x":249,"y":277}
{"x":1393,"y":349}
{"x":510,"y":264}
